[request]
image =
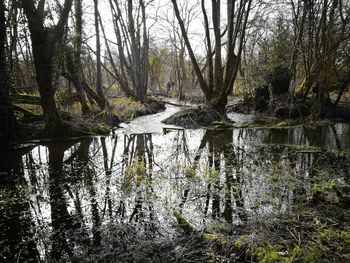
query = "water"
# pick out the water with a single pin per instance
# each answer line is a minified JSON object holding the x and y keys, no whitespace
{"x":99,"y":197}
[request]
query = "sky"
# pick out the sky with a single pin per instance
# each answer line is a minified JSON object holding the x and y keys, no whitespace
{"x":159,"y":28}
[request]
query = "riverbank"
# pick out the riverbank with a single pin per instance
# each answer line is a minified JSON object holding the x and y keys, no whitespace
{"x":121,"y":109}
{"x":240,"y":114}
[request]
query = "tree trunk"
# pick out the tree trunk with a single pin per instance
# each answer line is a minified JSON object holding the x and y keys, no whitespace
{"x":77,"y":65}
{"x":219,"y":104}
{"x":219,"y":83}
{"x":43,"y":52}
{"x":133,"y":48}
{"x":7,"y":118}
{"x":99,"y":89}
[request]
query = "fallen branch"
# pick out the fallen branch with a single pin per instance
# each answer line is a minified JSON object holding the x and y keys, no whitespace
{"x":25,"y":99}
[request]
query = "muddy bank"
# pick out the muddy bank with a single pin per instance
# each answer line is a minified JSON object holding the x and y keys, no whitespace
{"x":283,"y":109}
{"x":128,"y":109}
{"x":198,"y":117}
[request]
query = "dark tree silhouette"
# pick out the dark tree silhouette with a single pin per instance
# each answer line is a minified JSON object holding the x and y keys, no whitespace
{"x":7,"y":119}
{"x":45,"y":41}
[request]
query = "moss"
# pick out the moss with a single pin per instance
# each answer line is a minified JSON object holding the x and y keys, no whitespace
{"x":345,"y":235}
{"x":190,"y":172}
{"x":100,"y":128}
{"x":269,"y":253}
{"x":211,"y":237}
{"x":138,"y":168}
{"x":182,"y":222}
{"x":216,"y":238}
{"x":213,"y":175}
{"x":312,"y":233}
{"x":217,"y":228}
{"x":239,"y":242}
{"x":320,"y":247}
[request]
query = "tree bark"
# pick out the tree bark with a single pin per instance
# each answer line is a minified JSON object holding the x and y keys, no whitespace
{"x":7,"y":118}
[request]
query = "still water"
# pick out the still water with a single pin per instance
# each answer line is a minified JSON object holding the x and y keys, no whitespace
{"x":95,"y":198}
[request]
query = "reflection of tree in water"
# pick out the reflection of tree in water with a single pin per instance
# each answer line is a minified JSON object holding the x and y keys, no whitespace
{"x":286,"y":163}
{"x":17,"y":238}
{"x":223,"y":188}
{"x":258,"y":178}
{"x":223,"y":159}
{"x":137,"y":172}
{"x":89,"y":176}
{"x":62,"y":222}
{"x":108,"y":172}
{"x":88,"y":203}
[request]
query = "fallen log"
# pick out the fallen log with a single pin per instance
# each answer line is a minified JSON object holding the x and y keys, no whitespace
{"x":25,"y":99}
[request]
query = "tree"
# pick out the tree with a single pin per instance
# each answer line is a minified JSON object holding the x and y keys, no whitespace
{"x":98,"y":57}
{"x":221,"y":74}
{"x":7,"y":118}
{"x":74,"y":70}
{"x":188,"y":11}
{"x":322,"y":42}
{"x":74,"y":64}
{"x":133,"y":48}
{"x":45,"y":41}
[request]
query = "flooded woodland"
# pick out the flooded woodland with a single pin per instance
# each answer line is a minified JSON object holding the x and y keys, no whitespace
{"x":182,"y":131}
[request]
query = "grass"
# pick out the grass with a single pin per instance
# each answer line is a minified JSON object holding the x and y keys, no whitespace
{"x":126,"y":108}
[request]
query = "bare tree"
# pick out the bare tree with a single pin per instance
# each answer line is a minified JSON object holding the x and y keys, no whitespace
{"x":73,"y":58}
{"x":189,"y":11}
{"x":325,"y":65}
{"x":98,"y":56}
{"x":131,"y":69}
{"x":221,"y":73}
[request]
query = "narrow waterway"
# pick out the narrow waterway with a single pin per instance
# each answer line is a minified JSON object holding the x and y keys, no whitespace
{"x":96,"y":198}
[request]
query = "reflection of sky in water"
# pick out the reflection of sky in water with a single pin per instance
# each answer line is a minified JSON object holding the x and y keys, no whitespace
{"x":228,"y":176}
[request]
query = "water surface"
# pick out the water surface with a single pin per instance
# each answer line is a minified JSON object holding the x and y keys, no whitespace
{"x":96,"y":197}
